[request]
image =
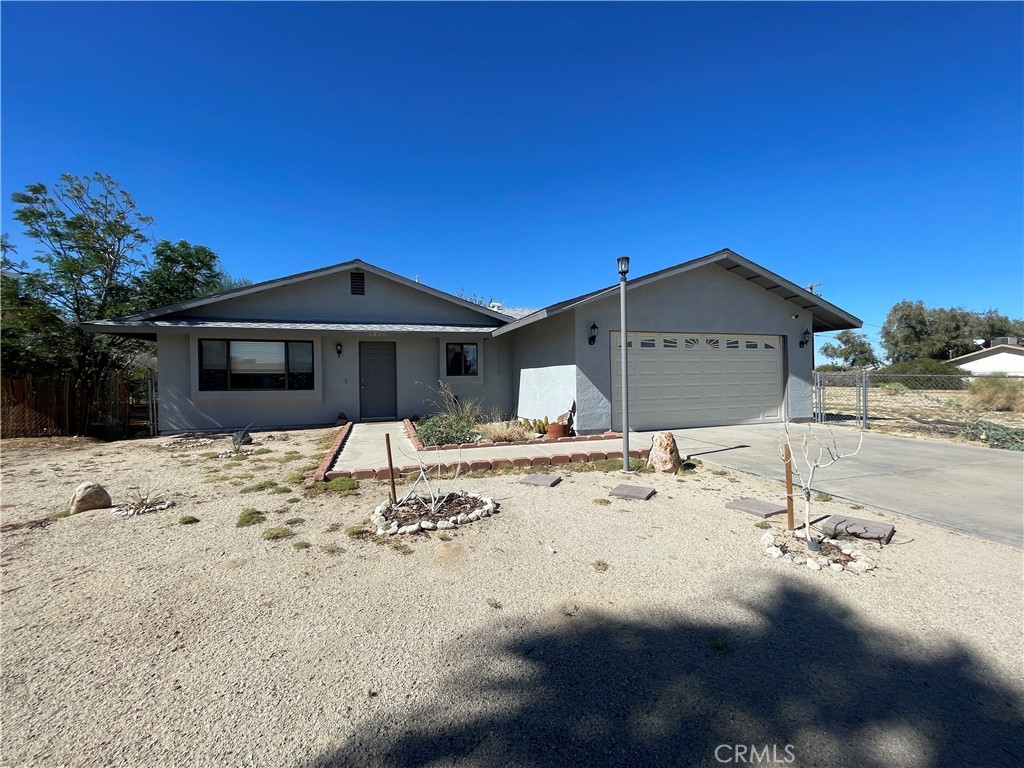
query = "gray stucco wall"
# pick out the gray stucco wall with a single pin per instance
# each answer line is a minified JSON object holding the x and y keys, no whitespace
{"x":707,"y":300}
{"x":329,"y":298}
{"x":418,"y":367}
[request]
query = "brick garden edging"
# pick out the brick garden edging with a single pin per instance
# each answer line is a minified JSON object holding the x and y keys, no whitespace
{"x":474,"y":465}
{"x":410,"y":430}
{"x":323,"y":468}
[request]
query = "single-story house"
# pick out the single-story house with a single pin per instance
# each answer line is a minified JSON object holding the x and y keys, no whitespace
{"x":712,"y":341}
{"x":1006,"y":355}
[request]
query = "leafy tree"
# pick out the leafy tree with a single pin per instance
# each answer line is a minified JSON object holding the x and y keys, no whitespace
{"x":31,"y":332}
{"x":225,"y":282}
{"x":905,"y":331}
{"x":92,"y":265}
{"x":180,"y":271}
{"x":912,"y":331}
{"x":852,"y":348}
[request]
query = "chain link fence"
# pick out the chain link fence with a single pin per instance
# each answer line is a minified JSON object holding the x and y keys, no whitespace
{"x":986,"y":409}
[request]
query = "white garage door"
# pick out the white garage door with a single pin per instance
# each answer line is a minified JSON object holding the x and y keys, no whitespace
{"x":698,"y":380}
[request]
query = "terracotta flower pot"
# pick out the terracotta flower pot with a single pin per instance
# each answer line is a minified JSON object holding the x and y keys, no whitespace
{"x":557,"y":430}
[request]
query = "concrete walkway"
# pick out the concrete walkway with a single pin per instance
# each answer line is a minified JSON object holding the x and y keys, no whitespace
{"x":365,"y":449}
{"x":972,"y":489}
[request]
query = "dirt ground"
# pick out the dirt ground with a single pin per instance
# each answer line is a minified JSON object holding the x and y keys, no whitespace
{"x":568,"y":629}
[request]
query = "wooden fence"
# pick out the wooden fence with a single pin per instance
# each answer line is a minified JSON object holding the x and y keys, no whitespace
{"x":44,"y":406}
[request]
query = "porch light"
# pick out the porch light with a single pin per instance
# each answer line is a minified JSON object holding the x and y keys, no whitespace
{"x":805,"y":338}
{"x":593,"y":334}
{"x":337,"y":348}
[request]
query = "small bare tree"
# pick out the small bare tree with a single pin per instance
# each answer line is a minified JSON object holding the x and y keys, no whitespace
{"x":816,"y":454}
{"x":434,"y":492}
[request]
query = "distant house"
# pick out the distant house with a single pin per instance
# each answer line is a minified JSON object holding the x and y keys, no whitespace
{"x":1006,"y":355}
{"x":716,"y":340}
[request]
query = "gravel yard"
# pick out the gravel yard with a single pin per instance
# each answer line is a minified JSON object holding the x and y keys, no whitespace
{"x":142,"y":642}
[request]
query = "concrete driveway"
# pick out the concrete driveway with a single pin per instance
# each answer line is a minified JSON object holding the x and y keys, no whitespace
{"x":968,"y":488}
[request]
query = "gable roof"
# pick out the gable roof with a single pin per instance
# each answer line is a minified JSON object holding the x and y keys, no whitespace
{"x":827,"y":316}
{"x":354,"y":264}
{"x":970,"y":357}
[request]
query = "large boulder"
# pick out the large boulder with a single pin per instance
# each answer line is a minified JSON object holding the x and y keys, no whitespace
{"x":664,"y":455}
{"x":89,"y":496}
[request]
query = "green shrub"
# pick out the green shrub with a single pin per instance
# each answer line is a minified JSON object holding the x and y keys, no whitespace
{"x":339,"y":485}
{"x":997,"y":394}
{"x":923,"y":373}
{"x":249,"y":517}
{"x":187,"y":520}
{"x":442,"y":428}
{"x":454,"y":421}
{"x":262,"y":485}
{"x":278,"y":532}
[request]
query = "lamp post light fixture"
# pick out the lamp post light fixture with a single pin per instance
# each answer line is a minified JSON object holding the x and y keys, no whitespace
{"x":624,"y":341}
{"x":592,"y":339}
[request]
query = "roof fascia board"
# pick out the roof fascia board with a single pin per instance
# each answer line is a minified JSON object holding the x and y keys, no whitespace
{"x":981,"y":354}
{"x":703,"y":261}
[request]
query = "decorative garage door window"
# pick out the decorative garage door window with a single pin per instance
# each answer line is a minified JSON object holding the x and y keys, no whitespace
{"x":695,"y":379}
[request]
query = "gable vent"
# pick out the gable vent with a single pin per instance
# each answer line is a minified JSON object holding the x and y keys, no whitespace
{"x":358,"y":280}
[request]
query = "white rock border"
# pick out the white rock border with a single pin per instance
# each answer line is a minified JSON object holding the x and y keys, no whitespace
{"x":860,"y":564}
{"x":488,"y":506}
{"x":131,"y":511}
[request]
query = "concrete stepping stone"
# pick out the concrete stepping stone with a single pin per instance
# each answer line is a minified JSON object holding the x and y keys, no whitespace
{"x":545,"y":481}
{"x":756,"y":507}
{"x":638,"y":492}
{"x":862,"y":529}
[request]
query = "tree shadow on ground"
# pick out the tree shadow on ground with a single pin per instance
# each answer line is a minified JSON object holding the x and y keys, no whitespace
{"x":599,"y":691}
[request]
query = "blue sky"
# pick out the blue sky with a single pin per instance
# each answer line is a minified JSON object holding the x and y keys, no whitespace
{"x":515,"y":150}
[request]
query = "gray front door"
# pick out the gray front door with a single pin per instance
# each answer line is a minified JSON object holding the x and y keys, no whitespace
{"x":377,"y":380}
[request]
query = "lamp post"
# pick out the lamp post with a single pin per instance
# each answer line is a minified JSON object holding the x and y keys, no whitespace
{"x":624,"y":341}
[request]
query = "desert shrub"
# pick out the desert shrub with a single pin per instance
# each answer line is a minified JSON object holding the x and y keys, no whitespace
{"x":503,"y":431}
{"x":923,"y":373}
{"x":278,"y":532}
{"x":340,"y":485}
{"x":249,"y":517}
{"x":454,"y":421}
{"x":262,"y":485}
{"x":997,"y":394}
{"x":442,"y":428}
{"x":894,"y":387}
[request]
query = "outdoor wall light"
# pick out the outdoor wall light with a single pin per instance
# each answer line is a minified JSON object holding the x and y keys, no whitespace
{"x":593,"y":334}
{"x":337,"y":348}
{"x":805,"y":338}
{"x":623,"y":265}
